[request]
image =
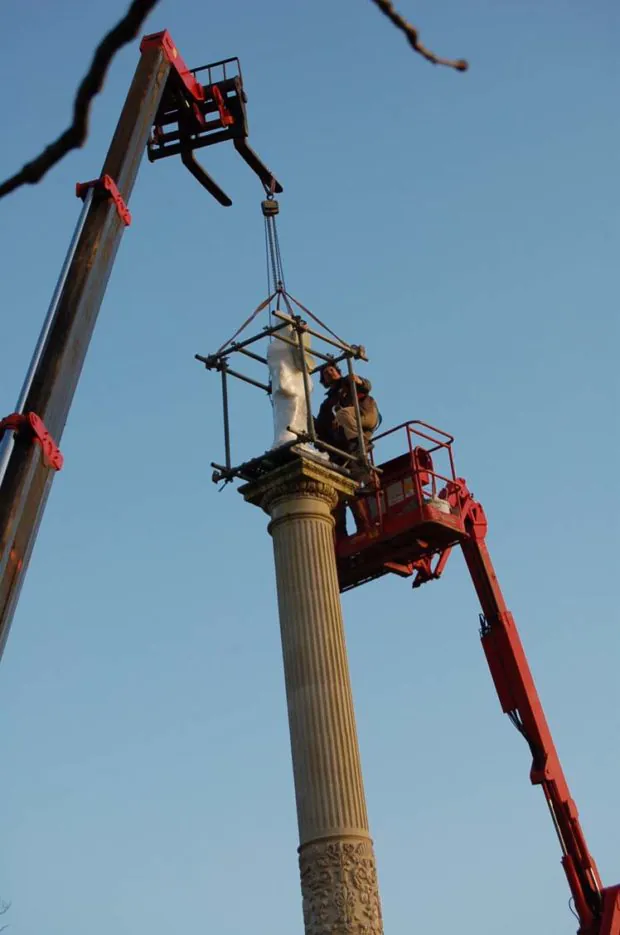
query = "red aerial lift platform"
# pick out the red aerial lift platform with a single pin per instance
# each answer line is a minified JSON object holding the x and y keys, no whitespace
{"x":412,"y":521}
{"x":417,"y":514}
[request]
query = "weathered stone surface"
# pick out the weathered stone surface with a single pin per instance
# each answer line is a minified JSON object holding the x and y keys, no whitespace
{"x":338,"y":876}
{"x":339,"y":888}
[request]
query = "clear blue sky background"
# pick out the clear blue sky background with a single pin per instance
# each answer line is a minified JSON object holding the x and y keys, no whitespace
{"x":464,"y":228}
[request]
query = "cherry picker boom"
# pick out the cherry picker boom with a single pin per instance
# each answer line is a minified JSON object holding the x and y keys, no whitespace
{"x":164,"y":93}
{"x":418,"y":515}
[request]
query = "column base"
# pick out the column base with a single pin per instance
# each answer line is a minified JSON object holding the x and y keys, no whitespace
{"x":339,"y":887}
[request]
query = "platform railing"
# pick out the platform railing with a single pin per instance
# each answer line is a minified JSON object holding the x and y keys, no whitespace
{"x":424,"y":477}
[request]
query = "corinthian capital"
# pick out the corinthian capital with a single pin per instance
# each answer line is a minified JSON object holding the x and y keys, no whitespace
{"x":302,"y":478}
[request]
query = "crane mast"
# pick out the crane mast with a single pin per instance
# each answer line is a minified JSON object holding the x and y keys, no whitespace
{"x":167,"y":112}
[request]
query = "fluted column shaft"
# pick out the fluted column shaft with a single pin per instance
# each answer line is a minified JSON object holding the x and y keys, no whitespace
{"x":337,"y":864}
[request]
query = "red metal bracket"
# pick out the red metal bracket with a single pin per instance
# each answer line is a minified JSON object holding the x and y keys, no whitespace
{"x":425,"y":570}
{"x":397,"y":568}
{"x":226,"y":117}
{"x":164,"y":41}
{"x":30,"y":423}
{"x":107,"y":186}
{"x":472,"y":513}
{"x":610,"y":921}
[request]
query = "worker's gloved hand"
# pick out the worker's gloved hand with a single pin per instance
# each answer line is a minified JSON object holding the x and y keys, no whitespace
{"x":335,"y":423}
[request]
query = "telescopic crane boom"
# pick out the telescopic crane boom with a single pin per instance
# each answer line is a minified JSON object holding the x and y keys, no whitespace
{"x":164,"y":93}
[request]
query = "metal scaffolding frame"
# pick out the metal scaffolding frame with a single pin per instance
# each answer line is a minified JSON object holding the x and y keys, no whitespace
{"x":290,"y":318}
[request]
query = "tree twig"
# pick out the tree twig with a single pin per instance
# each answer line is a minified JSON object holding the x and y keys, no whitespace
{"x":124,"y":32}
{"x":387,"y":7}
{"x":74,"y":136}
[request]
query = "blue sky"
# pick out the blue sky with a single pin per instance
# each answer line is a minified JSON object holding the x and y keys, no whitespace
{"x":463,"y":228}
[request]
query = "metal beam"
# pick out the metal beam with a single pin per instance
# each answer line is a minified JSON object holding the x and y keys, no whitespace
{"x":27,"y":480}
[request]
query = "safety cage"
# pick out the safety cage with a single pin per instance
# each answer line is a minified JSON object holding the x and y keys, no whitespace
{"x":413,"y":519}
{"x":289,"y":316}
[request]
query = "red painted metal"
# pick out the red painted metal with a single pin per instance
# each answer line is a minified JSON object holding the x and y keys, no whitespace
{"x":107,"y":186}
{"x":406,"y":540}
{"x":29,"y":424}
{"x":426,"y":570}
{"x":610,"y":920}
{"x":413,"y":526}
{"x":519,"y":699}
{"x":226,"y":117}
{"x":163,"y":40}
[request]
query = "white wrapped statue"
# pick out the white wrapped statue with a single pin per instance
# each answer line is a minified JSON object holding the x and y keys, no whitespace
{"x":288,"y":396}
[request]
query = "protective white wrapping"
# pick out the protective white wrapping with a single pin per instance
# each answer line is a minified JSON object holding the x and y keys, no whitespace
{"x":288,"y":396}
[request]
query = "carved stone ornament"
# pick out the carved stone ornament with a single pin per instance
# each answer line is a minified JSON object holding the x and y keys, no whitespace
{"x":339,"y":888}
{"x":300,"y":489}
{"x":302,"y":478}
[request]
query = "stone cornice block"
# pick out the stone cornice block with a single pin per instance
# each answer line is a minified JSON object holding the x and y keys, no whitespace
{"x":303,"y":477}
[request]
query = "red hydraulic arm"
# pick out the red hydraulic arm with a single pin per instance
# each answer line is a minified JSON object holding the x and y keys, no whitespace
{"x":418,"y":515}
{"x":597,"y":907}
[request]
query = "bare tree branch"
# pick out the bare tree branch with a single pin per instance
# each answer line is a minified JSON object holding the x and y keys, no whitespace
{"x":411,"y":33}
{"x":4,"y":907}
{"x":74,"y":136}
{"x":124,"y":32}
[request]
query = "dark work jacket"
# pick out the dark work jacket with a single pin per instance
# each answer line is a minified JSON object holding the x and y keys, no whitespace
{"x":338,"y":396}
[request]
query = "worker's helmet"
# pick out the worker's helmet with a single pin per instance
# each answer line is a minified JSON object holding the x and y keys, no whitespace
{"x":327,"y":367}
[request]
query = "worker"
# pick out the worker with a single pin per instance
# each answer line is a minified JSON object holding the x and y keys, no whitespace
{"x":336,"y":424}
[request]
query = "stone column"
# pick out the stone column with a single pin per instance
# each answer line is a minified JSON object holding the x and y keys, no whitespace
{"x":336,"y":857}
